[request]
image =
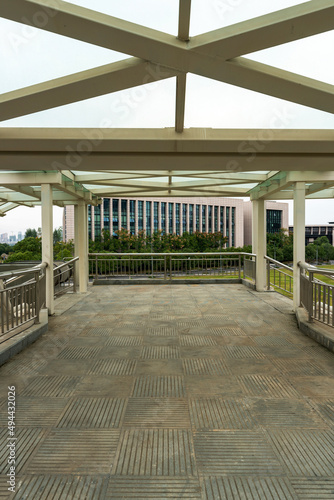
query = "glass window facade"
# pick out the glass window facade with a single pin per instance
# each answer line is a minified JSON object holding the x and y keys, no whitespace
{"x":184,"y":217}
{"x":222,"y":220}
{"x":204,"y":209}
{"x":132,"y":216}
{"x":115,"y":206}
{"x":106,"y":214}
{"x":177,"y":218}
{"x":228,"y":226}
{"x":155,"y":216}
{"x":233,"y":227}
{"x":274,"y":221}
{"x":197,"y":217}
{"x":90,"y":222}
{"x":191,"y":219}
{"x":97,"y":222}
{"x":148,"y":217}
{"x":140,"y":215}
{"x":163,"y":217}
{"x":210,"y":219}
{"x":124,"y":222}
{"x":216,"y":220}
{"x":170,"y":217}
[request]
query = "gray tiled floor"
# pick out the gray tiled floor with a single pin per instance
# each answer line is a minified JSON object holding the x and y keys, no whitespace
{"x":188,"y":391}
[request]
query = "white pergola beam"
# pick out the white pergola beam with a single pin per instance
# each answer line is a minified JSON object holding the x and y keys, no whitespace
{"x":79,"y":86}
{"x":270,"y":30}
{"x":181,"y":80}
{"x":162,"y":49}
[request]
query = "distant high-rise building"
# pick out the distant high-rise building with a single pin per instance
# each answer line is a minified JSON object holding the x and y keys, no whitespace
{"x":19,"y":236}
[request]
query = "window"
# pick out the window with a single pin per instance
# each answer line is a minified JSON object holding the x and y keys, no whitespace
{"x":170,"y":217}
{"x":115,"y":206}
{"x":222,"y":220}
{"x":274,"y":221}
{"x":197,"y":217}
{"x":232,"y":226}
{"x":228,"y":225}
{"x":191,"y":219}
{"x":163,"y":217}
{"x":204,"y":210}
{"x":156,"y":215}
{"x":177,"y":218}
{"x":184,"y":217}
{"x":210,"y":218}
{"x":124,"y":205}
{"x":106,"y":213}
{"x":148,"y":217}
{"x":97,"y":222}
{"x":132,"y":216}
{"x":90,"y":222}
{"x":140,"y":215}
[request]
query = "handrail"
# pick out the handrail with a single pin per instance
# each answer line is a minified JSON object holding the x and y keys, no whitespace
{"x":277,"y":262}
{"x":314,"y":269}
{"x":66,"y":263}
{"x":11,"y":274}
{"x":169,"y":253}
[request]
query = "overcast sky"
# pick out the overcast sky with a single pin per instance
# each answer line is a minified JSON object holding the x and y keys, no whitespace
{"x":30,"y":56}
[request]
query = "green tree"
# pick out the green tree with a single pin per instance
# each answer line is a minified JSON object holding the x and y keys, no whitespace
{"x":57,"y":235}
{"x":30,"y":233}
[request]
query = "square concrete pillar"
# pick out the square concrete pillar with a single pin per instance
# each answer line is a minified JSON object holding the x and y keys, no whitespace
{"x":298,"y":238}
{"x":47,"y":244}
{"x":259,"y":238}
{"x":81,"y":244}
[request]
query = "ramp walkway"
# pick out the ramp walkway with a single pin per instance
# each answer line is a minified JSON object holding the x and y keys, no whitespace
{"x":173,"y":391}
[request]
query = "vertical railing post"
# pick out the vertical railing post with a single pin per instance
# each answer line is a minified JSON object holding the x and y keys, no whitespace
{"x":268,"y":275}
{"x":310,"y":297}
{"x":165,"y":267}
{"x":239,"y":267}
{"x":170,"y":268}
{"x":96,"y":271}
{"x":37,"y":296}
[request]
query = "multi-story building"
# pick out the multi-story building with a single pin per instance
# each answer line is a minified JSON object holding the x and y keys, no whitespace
{"x":169,"y":215}
{"x":277,"y":218}
{"x":314,"y":232}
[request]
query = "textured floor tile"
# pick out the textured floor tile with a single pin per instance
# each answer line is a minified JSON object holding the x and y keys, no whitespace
{"x":314,"y":488}
{"x":155,"y":452}
{"x":27,"y":441}
{"x":223,"y":386}
{"x":197,"y":340}
{"x":285,"y":413}
{"x":28,"y":412}
{"x":242,"y":351}
{"x":218,"y":413}
{"x":62,"y":487}
{"x":166,"y":386}
{"x":166,"y":331}
{"x":69,"y":451}
{"x":300,"y":368}
{"x":205,"y":367}
{"x":156,"y":488}
{"x":235,"y":452}
{"x":247,"y":488}
{"x":227,"y":331}
{"x":305,"y":452}
{"x":53,"y":387}
{"x":157,"y":412}
{"x":267,"y":386}
{"x":160,"y":352}
{"x":314,"y":387}
{"x":93,"y":413}
{"x":326,"y":409}
{"x":116,"y":341}
{"x":111,"y":386}
{"x":114,"y":367}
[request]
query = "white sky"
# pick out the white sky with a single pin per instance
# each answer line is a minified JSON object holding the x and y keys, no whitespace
{"x":29,"y":56}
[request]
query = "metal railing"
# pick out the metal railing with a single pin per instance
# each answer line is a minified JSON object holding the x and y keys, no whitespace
{"x":316,"y":296}
{"x":64,"y":277}
{"x":22,"y":295}
{"x":279,"y":276}
{"x":169,"y":266}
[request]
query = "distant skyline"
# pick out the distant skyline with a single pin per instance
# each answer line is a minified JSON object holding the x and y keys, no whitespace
{"x":29,"y":56}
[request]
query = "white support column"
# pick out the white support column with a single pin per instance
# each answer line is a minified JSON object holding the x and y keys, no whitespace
{"x":298,"y":238}
{"x":81,"y":243}
{"x":47,"y":244}
{"x":259,"y":238}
